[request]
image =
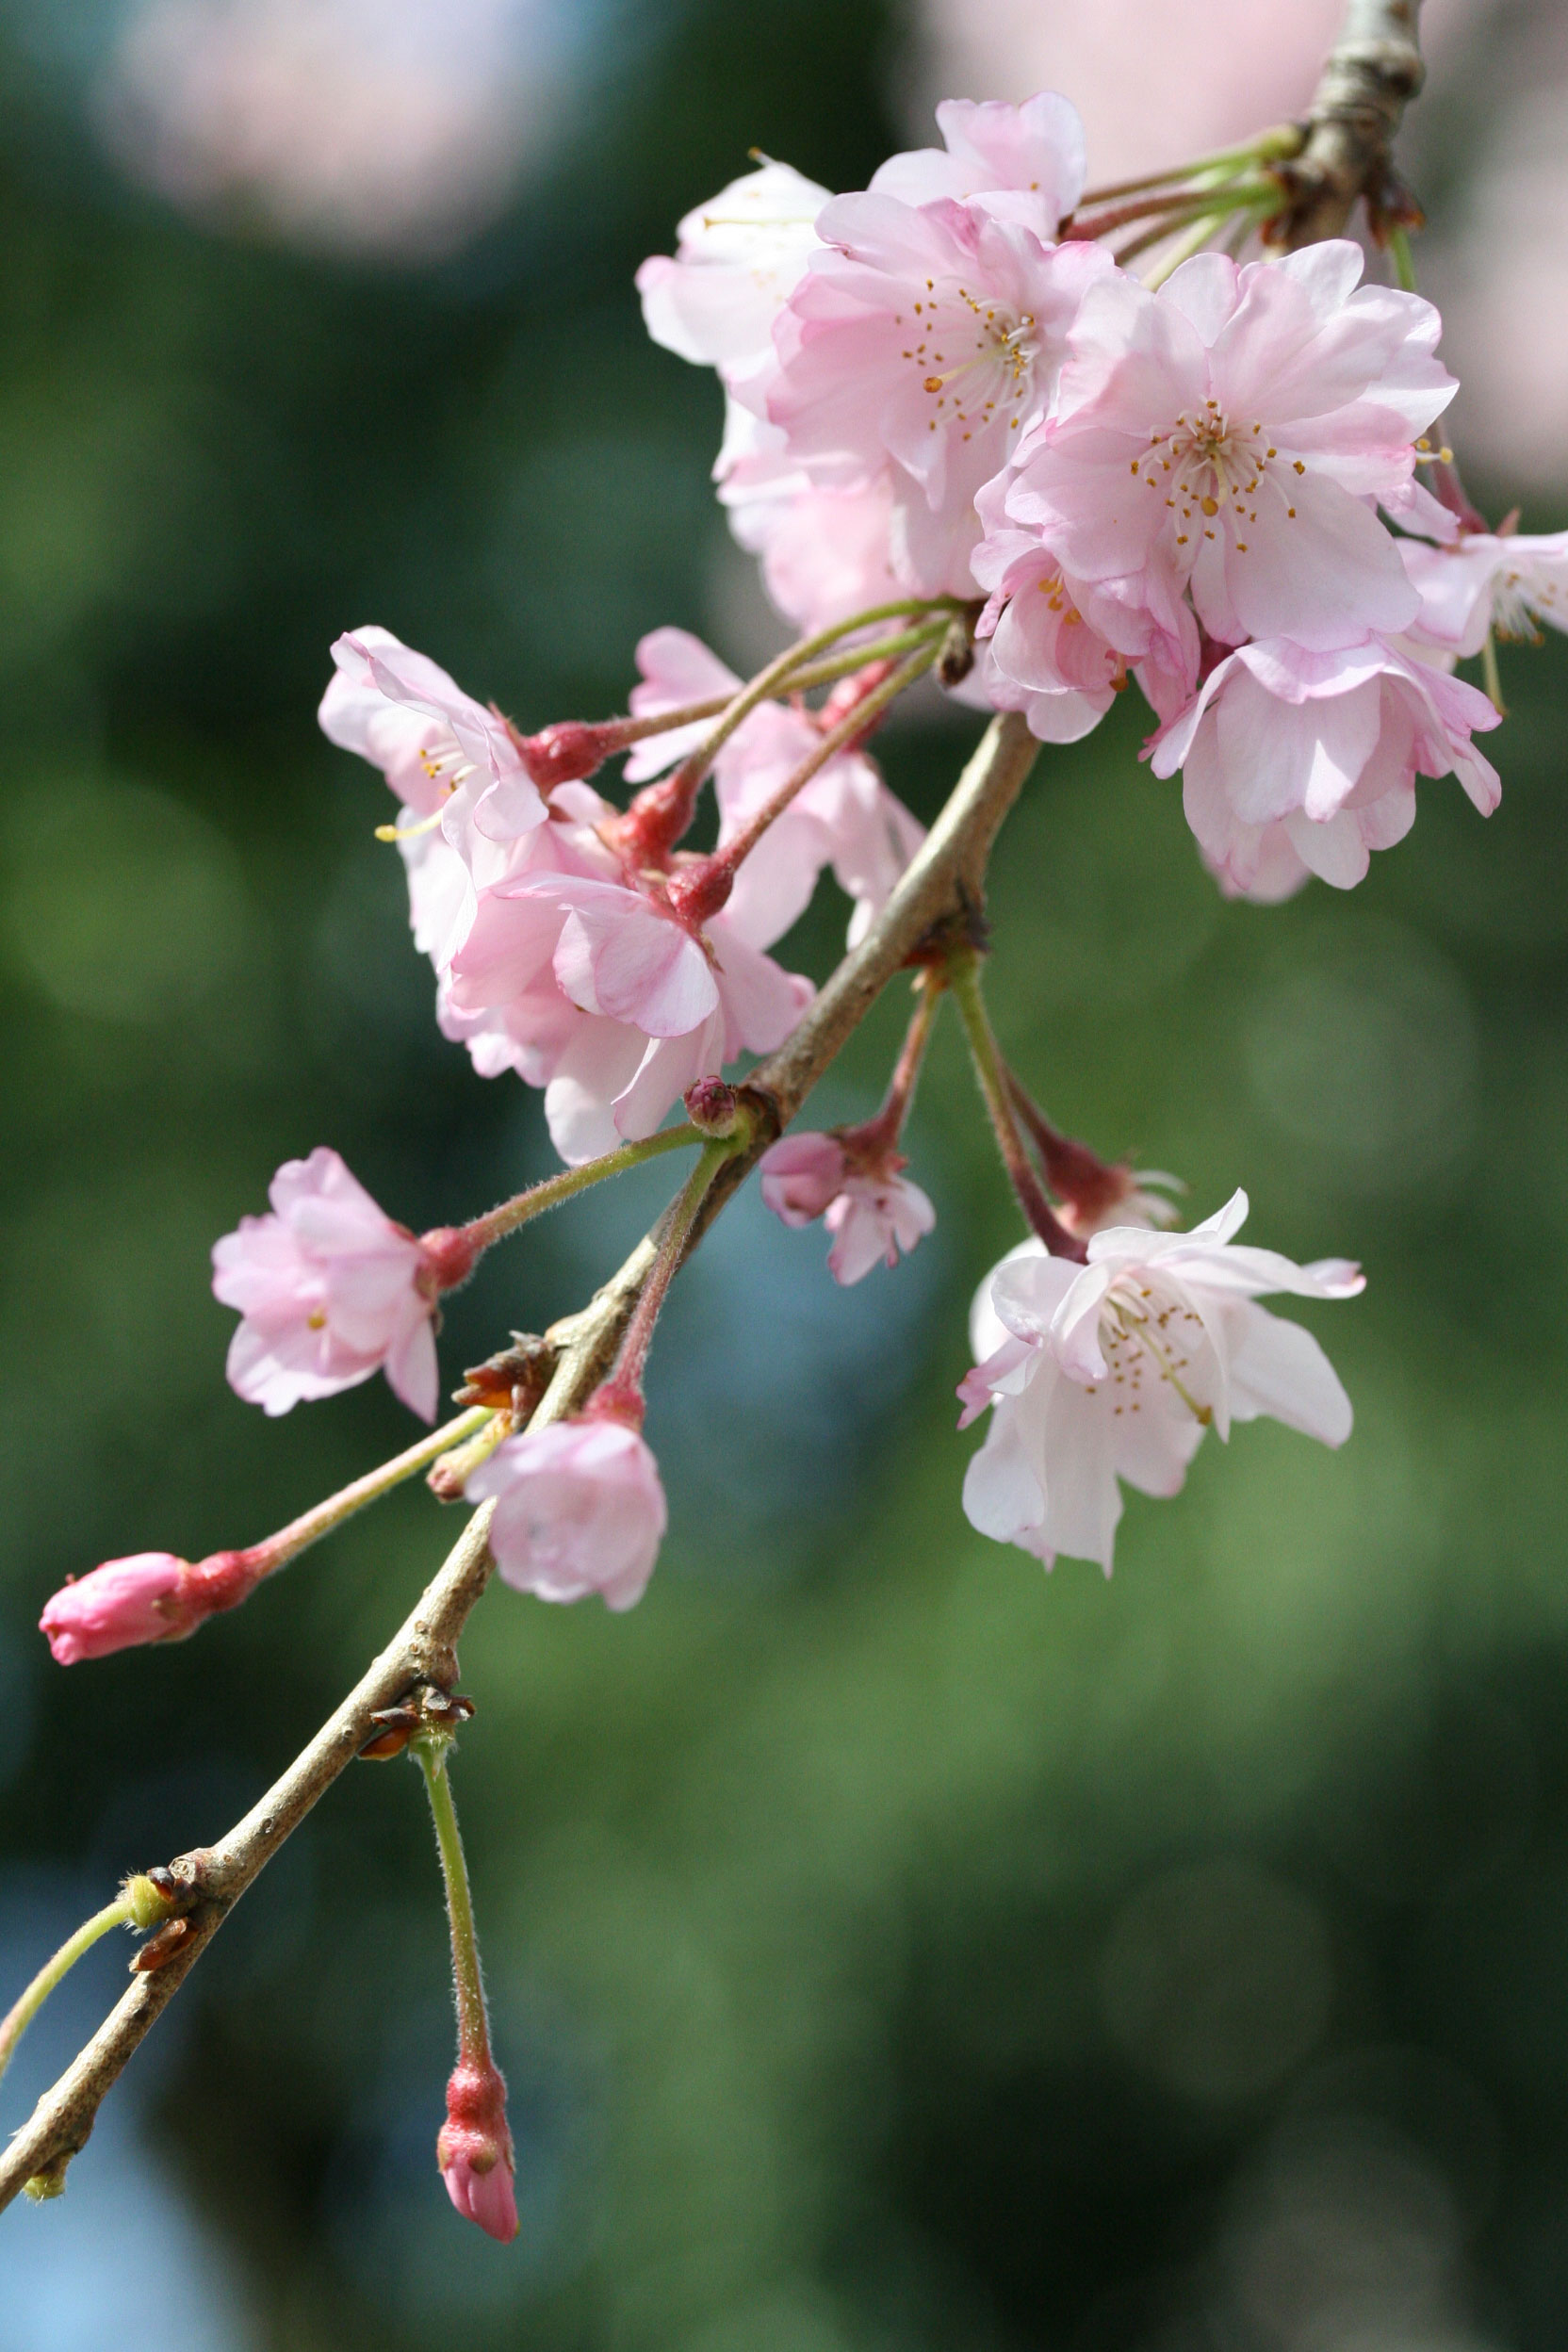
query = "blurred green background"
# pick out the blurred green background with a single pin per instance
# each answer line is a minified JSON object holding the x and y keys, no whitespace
{"x":892,"y":1947}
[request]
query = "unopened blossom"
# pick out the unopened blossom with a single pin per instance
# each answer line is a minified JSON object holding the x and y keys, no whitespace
{"x":329,"y":1291}
{"x":579,"y":1509}
{"x":1230,"y":433}
{"x":924,"y":339}
{"x":1113,"y":1370}
{"x":1482,"y":581}
{"x":1297,"y":764}
{"x":474,"y":2151}
{"x":124,"y":1603}
{"x":867,"y":1204}
{"x":1034,"y":151}
{"x":844,"y":817}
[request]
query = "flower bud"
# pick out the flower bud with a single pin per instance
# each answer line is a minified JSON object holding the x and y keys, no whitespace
{"x":474,"y":2149}
{"x":711,"y":1107}
{"x":147,"y":1596}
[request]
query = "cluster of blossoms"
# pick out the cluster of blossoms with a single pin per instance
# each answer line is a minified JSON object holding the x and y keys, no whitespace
{"x":961,"y":437}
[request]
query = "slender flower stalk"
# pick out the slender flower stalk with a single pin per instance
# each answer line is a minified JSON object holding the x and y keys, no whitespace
{"x":449,"y":1475}
{"x":455,"y":1249}
{"x":963,"y":978}
{"x":881,"y":1131}
{"x":474,"y":2149}
{"x":1272,"y":146}
{"x":430,"y":1748}
{"x":1198,"y":224}
{"x":139,"y":1905}
{"x":619,"y":1396}
{"x":660,"y":815}
{"x":1180,"y":205}
{"x":702,"y":890}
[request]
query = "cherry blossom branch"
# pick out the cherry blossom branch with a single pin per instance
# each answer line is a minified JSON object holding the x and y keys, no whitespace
{"x":1373,"y":71}
{"x":942,"y":881}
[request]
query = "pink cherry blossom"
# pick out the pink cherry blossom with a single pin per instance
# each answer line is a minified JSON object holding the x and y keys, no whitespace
{"x":866,"y":1203}
{"x":924,"y":338}
{"x":1036,"y":149}
{"x":579,"y":1509}
{"x":1483,"y":580}
{"x":736,"y":260}
{"x":331,"y":1290}
{"x":401,"y":712}
{"x":474,"y":2149}
{"x":1114,"y":1369}
{"x":1230,"y":432}
{"x":120,"y":1605}
{"x":1297,"y":764}
{"x":846,"y":817}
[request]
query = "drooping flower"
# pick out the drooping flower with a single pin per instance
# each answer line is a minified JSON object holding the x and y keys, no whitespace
{"x":474,"y":2151}
{"x":401,"y":710}
{"x":920,"y":346}
{"x":1114,"y":1371}
{"x":1481,"y":579}
{"x":579,"y":1509}
{"x":1229,"y":433}
{"x":625,"y":1008}
{"x":865,"y":1202}
{"x":846,"y":817}
{"x":329,"y":1291}
{"x":1297,"y":764}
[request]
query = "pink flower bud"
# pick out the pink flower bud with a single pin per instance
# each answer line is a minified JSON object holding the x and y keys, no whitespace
{"x":121,"y":1604}
{"x":857,"y":1186}
{"x":149,"y":1596}
{"x":710,"y":1106}
{"x":474,"y":2151}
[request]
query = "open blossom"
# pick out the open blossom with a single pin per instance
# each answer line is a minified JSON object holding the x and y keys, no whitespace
{"x":1114,"y":1371}
{"x":1229,"y":433}
{"x":864,"y":1201}
{"x":1297,"y":764}
{"x":925,"y":338}
{"x":634,"y":1006}
{"x":474,"y":2151}
{"x":831,"y":544}
{"x":846,"y":817}
{"x":579,"y":1509}
{"x":329,"y":1291}
{"x":401,"y":710}
{"x":1483,"y":580}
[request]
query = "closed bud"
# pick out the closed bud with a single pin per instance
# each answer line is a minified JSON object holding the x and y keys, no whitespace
{"x":474,"y":2149}
{"x":711,"y":1107}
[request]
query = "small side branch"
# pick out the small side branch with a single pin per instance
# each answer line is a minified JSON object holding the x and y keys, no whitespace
{"x":1373,"y":72}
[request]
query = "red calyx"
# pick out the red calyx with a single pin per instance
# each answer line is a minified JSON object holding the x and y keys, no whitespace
{"x":567,"y":751}
{"x":449,"y":1255}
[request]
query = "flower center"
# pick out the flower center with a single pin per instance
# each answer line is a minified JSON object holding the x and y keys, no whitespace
{"x":975,"y":361}
{"x":1140,"y":1331}
{"x":1211,"y":474}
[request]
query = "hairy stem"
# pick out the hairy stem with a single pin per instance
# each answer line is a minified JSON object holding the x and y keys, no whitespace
{"x":431,"y":1752}
{"x":23,"y":2012}
{"x":496,"y":1223}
